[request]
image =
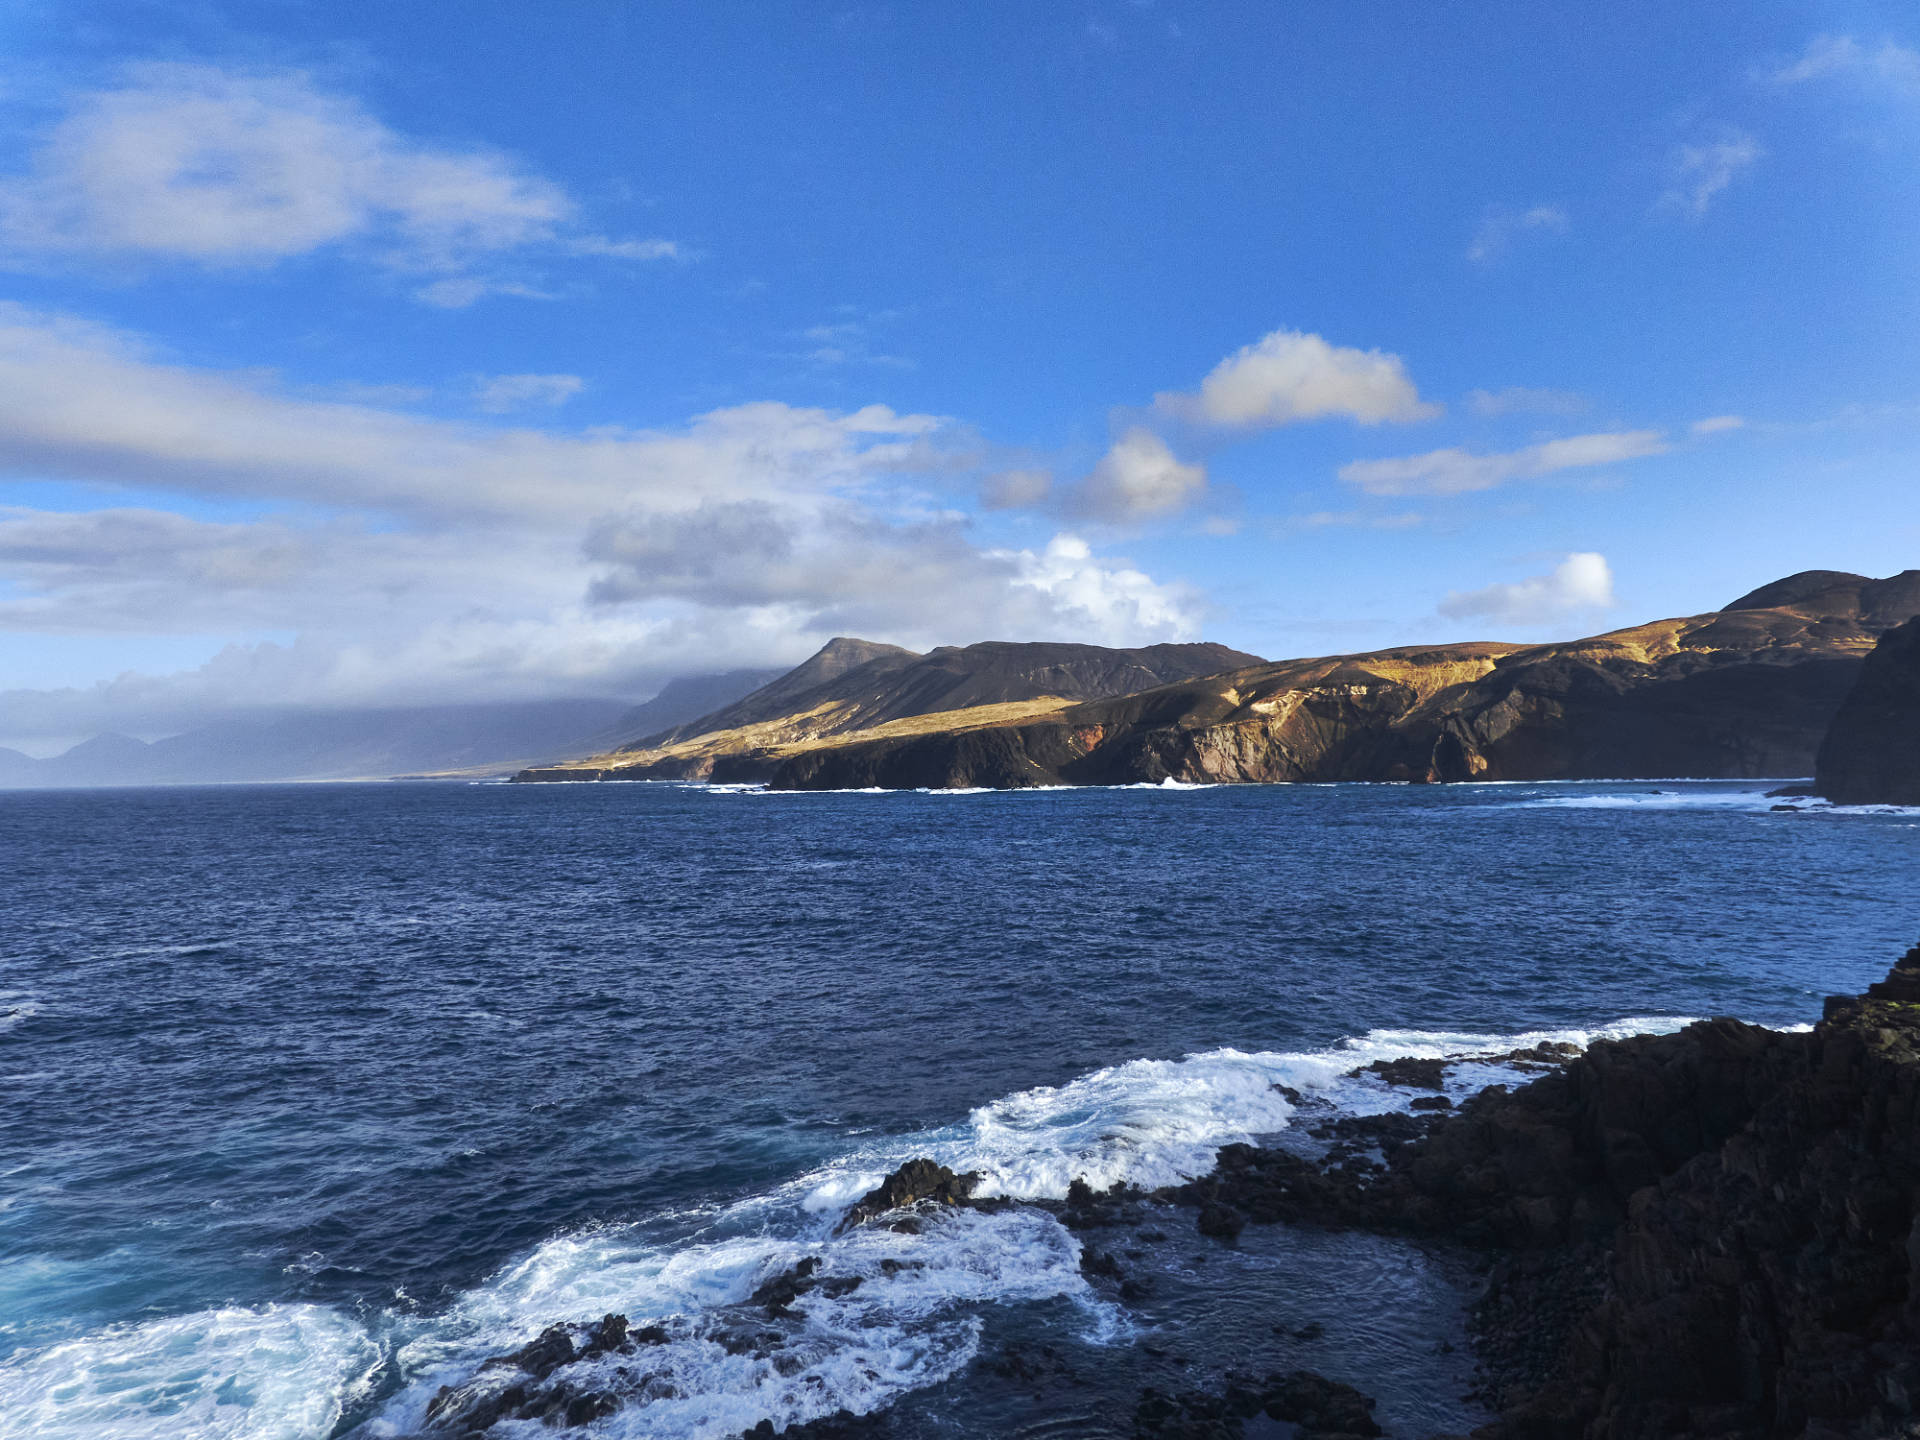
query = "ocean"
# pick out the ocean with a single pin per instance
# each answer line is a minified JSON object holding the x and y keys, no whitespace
{"x":316,"y":1097}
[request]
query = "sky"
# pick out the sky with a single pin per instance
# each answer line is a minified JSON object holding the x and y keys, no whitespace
{"x":360,"y":354}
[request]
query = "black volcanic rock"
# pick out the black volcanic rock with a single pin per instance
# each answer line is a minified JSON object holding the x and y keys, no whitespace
{"x":1871,"y":754}
{"x":1712,"y":1233}
{"x":915,"y":1182}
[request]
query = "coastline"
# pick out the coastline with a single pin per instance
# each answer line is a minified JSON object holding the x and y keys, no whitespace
{"x":1707,"y":1232}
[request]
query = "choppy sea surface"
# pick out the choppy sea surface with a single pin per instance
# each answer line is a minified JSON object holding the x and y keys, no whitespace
{"x":313,"y":1098}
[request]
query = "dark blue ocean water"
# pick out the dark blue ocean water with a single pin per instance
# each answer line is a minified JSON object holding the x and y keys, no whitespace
{"x":312,"y":1097}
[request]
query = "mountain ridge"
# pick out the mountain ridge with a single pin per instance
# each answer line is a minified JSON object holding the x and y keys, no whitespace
{"x":1743,"y":692}
{"x":855,"y":687}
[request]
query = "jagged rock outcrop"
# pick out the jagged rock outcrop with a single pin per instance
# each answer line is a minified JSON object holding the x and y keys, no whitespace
{"x":1714,"y":1233}
{"x":1743,"y":692}
{"x":1871,"y":754}
{"x":917,"y":1182}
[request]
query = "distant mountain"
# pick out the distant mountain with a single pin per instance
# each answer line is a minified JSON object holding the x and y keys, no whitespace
{"x":421,"y":741}
{"x":857,"y":687}
{"x":329,"y":745}
{"x":17,"y":769}
{"x":822,"y":676}
{"x":1745,"y":691}
{"x":678,"y":702}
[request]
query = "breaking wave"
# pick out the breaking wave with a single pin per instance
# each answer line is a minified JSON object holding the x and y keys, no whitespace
{"x":893,"y":1312}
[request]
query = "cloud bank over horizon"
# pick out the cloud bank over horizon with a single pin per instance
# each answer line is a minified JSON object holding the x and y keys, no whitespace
{"x":417,"y":558}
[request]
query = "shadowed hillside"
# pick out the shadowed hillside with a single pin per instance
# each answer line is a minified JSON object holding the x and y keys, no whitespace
{"x":1742,"y":692}
{"x":857,"y":688}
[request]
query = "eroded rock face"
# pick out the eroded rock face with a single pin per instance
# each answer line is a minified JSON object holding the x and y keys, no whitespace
{"x":1712,"y":1233}
{"x":917,"y":1182}
{"x":1871,"y":754}
{"x":1744,"y":692}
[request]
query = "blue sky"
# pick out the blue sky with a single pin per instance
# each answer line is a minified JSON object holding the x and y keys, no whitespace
{"x":386,"y":354}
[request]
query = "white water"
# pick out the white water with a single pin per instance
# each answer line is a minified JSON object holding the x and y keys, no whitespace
{"x":1695,"y":795}
{"x":283,"y":1371}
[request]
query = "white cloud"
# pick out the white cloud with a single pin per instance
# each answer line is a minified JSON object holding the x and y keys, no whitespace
{"x":1499,"y":228}
{"x":1113,"y":603}
{"x":1457,"y":472}
{"x":1289,"y":376}
{"x":1699,"y":173}
{"x":1717,"y":424}
{"x":1361,"y":519}
{"x":1579,"y":584}
{"x":233,"y":170}
{"x":848,"y":342}
{"x":1137,"y":477}
{"x":626,"y":249}
{"x":422,"y":559}
{"x":1520,"y":400}
{"x":499,"y":394}
{"x":1831,"y":56}
{"x":79,"y":401}
{"x":459,"y":291}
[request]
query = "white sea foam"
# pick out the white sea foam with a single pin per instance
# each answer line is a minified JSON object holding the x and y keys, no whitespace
{"x":281,"y":1372}
{"x":1158,"y":1122}
{"x":909,"y":1323}
{"x":913,"y":1320}
{"x":1757,"y":802}
{"x":16,"y":1008}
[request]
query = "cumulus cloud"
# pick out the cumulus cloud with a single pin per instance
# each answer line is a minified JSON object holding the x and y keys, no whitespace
{"x":231,"y":169}
{"x":1139,"y":477}
{"x":1499,"y":229}
{"x":1699,"y":173}
{"x":499,"y":394}
{"x":1581,"y":583}
{"x":1842,"y":56}
{"x":1288,"y":376}
{"x":845,"y":570}
{"x":1458,"y":472}
{"x":1521,"y":400}
{"x":422,"y":559}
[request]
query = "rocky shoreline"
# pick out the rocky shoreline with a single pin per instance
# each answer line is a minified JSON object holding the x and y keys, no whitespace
{"x":1712,"y":1233}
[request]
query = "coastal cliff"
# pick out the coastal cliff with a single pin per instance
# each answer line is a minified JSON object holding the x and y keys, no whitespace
{"x":1871,"y":755}
{"x":1743,"y":692}
{"x":1712,"y":1233}
{"x":854,"y":689}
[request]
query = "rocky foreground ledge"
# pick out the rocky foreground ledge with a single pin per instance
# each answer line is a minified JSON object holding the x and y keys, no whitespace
{"x":1713,"y":1234}
{"x":1705,"y":1234}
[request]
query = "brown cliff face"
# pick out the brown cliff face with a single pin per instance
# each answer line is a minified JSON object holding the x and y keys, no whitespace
{"x":1871,"y":754}
{"x":1743,"y":692}
{"x":854,"y":688}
